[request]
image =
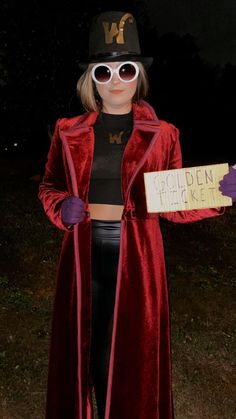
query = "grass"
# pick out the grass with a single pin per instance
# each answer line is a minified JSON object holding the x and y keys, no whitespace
{"x":201,"y":278}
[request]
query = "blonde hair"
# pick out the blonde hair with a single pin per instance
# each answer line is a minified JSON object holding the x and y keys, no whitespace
{"x":90,"y":98}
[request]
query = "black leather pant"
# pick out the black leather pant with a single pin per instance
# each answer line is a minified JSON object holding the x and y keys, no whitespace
{"x":105,"y":255}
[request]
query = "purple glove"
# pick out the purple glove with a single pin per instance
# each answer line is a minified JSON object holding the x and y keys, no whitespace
{"x":228,"y":183}
{"x":72,"y":210}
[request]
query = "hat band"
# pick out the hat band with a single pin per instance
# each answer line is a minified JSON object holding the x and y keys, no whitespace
{"x":113,"y":54}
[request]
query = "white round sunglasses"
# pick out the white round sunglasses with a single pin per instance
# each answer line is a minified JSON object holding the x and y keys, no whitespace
{"x":127,"y":71}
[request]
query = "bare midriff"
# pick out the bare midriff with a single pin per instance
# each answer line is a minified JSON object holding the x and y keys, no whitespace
{"x":107,"y":212}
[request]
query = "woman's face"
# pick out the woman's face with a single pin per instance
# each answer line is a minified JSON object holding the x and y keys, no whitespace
{"x":116,"y":95}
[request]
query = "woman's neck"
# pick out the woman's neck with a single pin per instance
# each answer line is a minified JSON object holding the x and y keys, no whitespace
{"x":117,"y":110}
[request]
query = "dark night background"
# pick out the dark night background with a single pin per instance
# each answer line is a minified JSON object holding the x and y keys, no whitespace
{"x":192,"y":79}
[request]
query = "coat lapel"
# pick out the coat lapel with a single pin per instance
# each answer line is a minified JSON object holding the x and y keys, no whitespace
{"x":79,"y":135}
{"x":145,"y":133}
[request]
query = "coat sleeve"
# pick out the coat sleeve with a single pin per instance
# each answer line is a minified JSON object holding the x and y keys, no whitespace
{"x":53,"y":188}
{"x":175,"y":162}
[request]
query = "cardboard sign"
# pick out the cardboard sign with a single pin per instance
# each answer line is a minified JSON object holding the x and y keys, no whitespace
{"x":185,"y":189}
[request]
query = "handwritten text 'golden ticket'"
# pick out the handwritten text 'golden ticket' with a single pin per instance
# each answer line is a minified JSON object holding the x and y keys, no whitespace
{"x":184,"y":189}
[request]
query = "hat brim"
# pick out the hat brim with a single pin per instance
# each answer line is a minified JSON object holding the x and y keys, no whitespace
{"x":146,"y":61}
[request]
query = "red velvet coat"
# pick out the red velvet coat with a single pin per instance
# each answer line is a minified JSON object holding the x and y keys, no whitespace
{"x":139,"y":384}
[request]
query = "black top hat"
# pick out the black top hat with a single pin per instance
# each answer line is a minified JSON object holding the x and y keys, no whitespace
{"x":114,"y":37}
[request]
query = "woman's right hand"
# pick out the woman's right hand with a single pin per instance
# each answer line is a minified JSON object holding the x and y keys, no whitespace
{"x":72,"y":210}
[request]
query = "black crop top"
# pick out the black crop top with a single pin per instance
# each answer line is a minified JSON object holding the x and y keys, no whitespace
{"x":111,"y":136}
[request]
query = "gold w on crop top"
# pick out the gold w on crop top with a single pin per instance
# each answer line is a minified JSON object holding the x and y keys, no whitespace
{"x":112,"y":133}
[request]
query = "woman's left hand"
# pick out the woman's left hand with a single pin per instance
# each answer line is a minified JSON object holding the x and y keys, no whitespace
{"x":228,"y":184}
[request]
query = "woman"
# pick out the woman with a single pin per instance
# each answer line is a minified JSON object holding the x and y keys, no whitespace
{"x":111,"y":317}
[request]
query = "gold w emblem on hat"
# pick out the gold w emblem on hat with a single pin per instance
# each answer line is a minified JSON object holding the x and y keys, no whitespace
{"x":116,"y":30}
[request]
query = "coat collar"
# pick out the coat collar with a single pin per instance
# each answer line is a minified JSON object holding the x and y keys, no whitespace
{"x":144,"y":114}
{"x":144,"y":118}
